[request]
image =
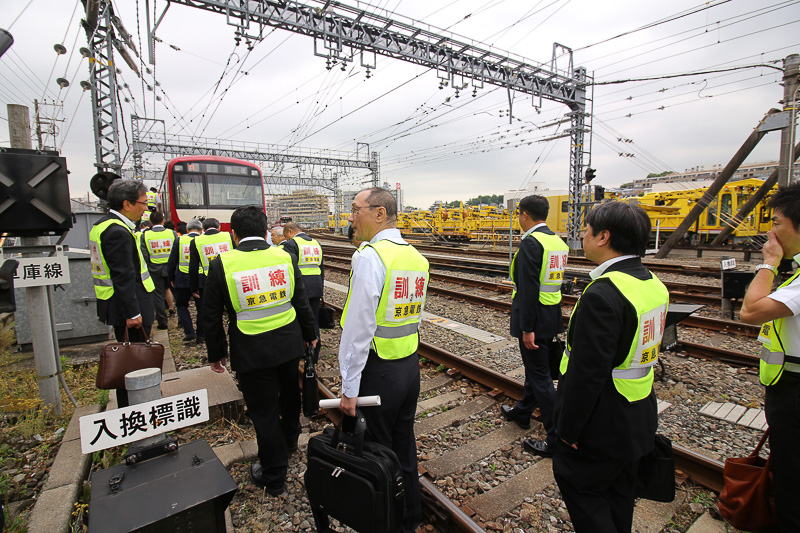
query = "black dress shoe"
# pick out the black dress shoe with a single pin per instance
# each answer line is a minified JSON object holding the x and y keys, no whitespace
{"x":190,"y":337}
{"x":161,"y":326}
{"x":200,"y":340}
{"x":538,"y":447}
{"x":508,"y":414}
{"x":257,"y":477}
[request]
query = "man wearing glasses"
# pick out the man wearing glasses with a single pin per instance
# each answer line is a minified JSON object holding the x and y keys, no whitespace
{"x":378,"y":347}
{"x":122,"y":281}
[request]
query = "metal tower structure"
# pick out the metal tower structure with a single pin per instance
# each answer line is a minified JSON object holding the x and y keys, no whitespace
{"x":343,"y":32}
{"x":103,"y":78}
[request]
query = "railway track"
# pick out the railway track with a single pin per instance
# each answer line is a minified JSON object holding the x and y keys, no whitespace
{"x":459,"y":515}
{"x":711,"y":324}
{"x":493,"y":262}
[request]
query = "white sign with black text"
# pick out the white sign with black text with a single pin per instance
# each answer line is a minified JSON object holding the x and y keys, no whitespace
{"x":38,"y":271}
{"x":728,"y":264}
{"x":137,"y":422}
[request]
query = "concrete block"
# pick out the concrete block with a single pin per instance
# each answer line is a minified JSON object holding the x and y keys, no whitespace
{"x":429,"y":425}
{"x":736,"y":413}
{"x":73,"y":431}
{"x":706,"y":524}
{"x":438,"y":401}
{"x":748,"y":417}
{"x":53,"y":510}
{"x":455,"y":460}
{"x":513,"y":492}
{"x":249,"y":451}
{"x":70,"y":466}
{"x":434,"y":383}
{"x":229,"y":454}
{"x":652,"y":517}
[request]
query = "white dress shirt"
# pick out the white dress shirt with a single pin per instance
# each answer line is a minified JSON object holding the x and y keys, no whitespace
{"x":599,"y":271}
{"x":366,"y":286}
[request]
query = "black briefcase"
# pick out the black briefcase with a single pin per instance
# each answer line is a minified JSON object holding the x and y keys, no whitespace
{"x":326,"y":319}
{"x":310,"y":389}
{"x":356,"y":482}
{"x":655,"y":477}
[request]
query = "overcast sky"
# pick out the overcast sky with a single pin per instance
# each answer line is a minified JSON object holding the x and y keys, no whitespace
{"x":436,"y":145}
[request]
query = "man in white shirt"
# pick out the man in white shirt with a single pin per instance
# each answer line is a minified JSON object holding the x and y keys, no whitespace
{"x":378,"y":347}
{"x":779,"y":312}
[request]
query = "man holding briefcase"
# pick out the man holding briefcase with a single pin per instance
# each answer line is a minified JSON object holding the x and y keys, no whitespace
{"x":378,"y":348}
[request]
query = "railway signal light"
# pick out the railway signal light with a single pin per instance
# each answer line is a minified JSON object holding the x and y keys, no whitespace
{"x":589,"y":175}
{"x":599,"y":193}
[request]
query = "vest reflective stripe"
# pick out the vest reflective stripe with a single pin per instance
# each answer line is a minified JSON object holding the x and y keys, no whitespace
{"x":264,"y":313}
{"x":773,"y":356}
{"x":634,"y":377}
{"x":385,"y":332}
{"x":185,"y":243}
{"x":210,"y":246}
{"x":554,"y":263}
{"x":309,"y":256}
{"x":261,"y":285}
{"x":402,"y":300}
{"x":101,"y":275}
{"x":159,"y":245}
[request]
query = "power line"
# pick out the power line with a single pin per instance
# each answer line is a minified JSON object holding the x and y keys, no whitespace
{"x":20,"y":14}
{"x":682,"y":75}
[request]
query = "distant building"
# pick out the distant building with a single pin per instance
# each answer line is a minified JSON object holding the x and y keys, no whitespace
{"x":703,"y":173}
{"x":534,"y":187}
{"x":307,"y":208}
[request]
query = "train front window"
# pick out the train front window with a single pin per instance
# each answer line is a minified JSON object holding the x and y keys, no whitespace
{"x":189,"y":190}
{"x":225,"y":191}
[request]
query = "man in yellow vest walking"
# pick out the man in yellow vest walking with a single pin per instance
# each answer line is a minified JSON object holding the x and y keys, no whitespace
{"x":309,"y":258}
{"x":779,"y":312}
{"x":537,"y":271}
{"x":156,"y":244}
{"x":122,"y":281}
{"x":206,"y":247}
{"x":261,"y":288}
{"x":605,"y":406}
{"x":378,"y":347}
{"x":178,"y":269}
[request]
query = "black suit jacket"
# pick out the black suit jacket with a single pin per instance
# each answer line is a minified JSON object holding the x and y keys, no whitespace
{"x":130,"y":297}
{"x":314,"y":284}
{"x":253,"y":352}
{"x":527,"y":313}
{"x":589,"y":410}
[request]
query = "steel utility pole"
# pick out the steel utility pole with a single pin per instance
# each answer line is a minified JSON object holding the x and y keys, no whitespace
{"x":791,"y":83}
{"x":722,"y":178}
{"x":44,"y":350}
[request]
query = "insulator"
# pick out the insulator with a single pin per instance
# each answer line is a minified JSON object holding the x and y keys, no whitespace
{"x":149,"y":88}
{"x":158,"y":98}
{"x":62,"y":82}
{"x":85,"y":52}
{"x":85,"y":85}
{"x":147,"y":69}
{"x":60,"y":49}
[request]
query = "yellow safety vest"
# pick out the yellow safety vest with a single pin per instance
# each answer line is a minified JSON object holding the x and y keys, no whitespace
{"x":554,"y":263}
{"x":650,"y":298}
{"x":103,"y":287}
{"x":309,"y":256}
{"x":210,"y":246}
{"x":185,"y":243}
{"x":774,"y":359}
{"x":159,"y":245}
{"x":402,"y":300}
{"x":151,"y":199}
{"x":261,"y":285}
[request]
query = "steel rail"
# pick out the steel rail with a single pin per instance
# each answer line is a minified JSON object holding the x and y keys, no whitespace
{"x":702,"y":469}
{"x":436,"y":505}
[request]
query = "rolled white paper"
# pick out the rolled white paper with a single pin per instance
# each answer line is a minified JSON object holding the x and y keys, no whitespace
{"x":362,"y":401}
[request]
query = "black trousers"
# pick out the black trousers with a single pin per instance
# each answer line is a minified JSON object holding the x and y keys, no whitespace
{"x":134,"y":335}
{"x":396,"y":381}
{"x":159,"y":303}
{"x":782,"y":407}
{"x":182,"y":297}
{"x":272,"y":396}
{"x":314,"y":303}
{"x":599,"y":492}
{"x":539,"y":390}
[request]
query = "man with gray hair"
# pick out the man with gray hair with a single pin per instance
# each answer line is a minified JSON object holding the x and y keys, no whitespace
{"x":122,"y":282}
{"x":178,"y":268}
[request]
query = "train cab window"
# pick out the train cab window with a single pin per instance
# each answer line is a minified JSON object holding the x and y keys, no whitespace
{"x":725,"y":204}
{"x":226,"y":191}
{"x":565,"y":207}
{"x":189,"y":190}
{"x":711,"y":215}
